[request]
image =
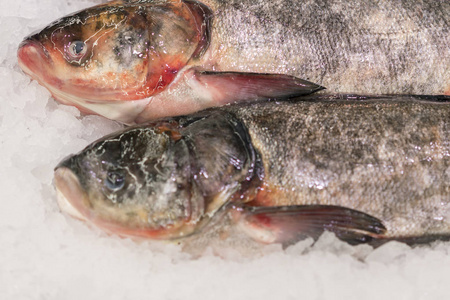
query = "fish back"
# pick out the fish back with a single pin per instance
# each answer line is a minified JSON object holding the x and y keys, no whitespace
{"x":376,"y":46}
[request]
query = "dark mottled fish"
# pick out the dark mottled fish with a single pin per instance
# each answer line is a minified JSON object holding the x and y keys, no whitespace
{"x":370,"y":169}
{"x":138,"y":60}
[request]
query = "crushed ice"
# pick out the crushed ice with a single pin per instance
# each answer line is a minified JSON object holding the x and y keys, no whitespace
{"x":47,"y":255}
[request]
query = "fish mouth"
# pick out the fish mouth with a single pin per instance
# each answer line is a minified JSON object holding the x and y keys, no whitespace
{"x":32,"y":57}
{"x":70,"y":195}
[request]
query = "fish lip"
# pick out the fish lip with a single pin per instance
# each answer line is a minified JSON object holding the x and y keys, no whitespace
{"x":30,"y":55}
{"x":33,"y":40}
{"x":70,"y":194}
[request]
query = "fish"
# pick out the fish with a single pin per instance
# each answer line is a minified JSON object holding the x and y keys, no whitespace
{"x":369,"y":169}
{"x":138,"y":60}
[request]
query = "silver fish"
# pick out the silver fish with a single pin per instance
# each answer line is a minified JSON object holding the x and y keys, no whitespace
{"x":138,"y":60}
{"x":369,"y":169}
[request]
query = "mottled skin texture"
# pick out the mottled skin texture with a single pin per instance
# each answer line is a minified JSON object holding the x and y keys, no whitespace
{"x":389,"y":158}
{"x":364,"y":46}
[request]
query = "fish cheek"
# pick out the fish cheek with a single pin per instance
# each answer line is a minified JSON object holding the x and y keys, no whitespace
{"x":174,"y":37}
{"x":130,"y":44}
{"x":115,"y":181}
{"x":112,"y":206}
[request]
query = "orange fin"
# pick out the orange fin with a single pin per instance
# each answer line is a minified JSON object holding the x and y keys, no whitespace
{"x":289,"y":224}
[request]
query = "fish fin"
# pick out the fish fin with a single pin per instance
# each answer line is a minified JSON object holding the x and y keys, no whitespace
{"x":289,"y":224}
{"x":229,"y":87}
{"x":194,"y":90}
{"x":413,"y":240}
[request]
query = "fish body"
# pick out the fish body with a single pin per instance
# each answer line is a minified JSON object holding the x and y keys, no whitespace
{"x":369,"y":170}
{"x":376,"y":47}
{"x":135,"y":61}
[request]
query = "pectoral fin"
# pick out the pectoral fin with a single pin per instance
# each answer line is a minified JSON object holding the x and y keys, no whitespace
{"x":194,"y":90}
{"x":289,"y":224}
{"x":229,"y":87}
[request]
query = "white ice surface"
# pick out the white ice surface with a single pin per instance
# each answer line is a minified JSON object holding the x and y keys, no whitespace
{"x":47,"y":255}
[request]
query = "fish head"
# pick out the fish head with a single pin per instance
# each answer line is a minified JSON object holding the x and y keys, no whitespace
{"x":160,"y":181}
{"x":119,"y":51}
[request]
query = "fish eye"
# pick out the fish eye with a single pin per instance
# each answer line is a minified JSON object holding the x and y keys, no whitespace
{"x":115,"y":180}
{"x":76,"y":49}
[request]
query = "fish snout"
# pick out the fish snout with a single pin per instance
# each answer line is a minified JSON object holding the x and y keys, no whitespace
{"x":70,"y":194}
{"x":32,"y":56}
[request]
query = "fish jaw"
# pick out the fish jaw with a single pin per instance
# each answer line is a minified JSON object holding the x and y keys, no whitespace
{"x":34,"y":60}
{"x":121,"y":111}
{"x":70,"y":195}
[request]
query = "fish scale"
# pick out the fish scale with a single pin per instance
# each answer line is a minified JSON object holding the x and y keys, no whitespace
{"x":368,"y":160}
{"x":379,"y":47}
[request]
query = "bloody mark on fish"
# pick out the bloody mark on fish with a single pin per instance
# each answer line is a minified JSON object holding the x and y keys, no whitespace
{"x":263,"y":220}
{"x":158,"y":80}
